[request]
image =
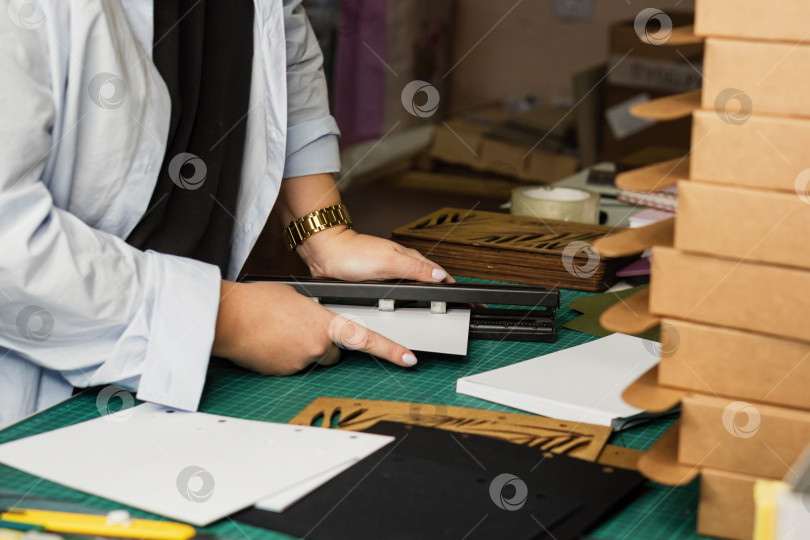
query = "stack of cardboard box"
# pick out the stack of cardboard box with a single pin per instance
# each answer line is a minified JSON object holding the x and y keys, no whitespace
{"x":733,"y":291}
{"x":532,"y":146}
{"x":638,"y":72}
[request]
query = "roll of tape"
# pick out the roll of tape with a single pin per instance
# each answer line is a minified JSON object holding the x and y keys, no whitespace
{"x":562,"y":203}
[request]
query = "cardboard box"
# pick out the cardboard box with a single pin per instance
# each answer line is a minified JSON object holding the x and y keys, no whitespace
{"x":727,"y":292}
{"x":728,"y":221}
{"x":785,"y":20}
{"x":764,"y":151}
{"x":458,"y":142}
{"x":638,"y":69}
{"x":464,"y":142}
{"x":726,"y":507}
{"x":616,"y":145}
{"x":736,"y":364}
{"x":749,"y":438}
{"x":756,"y":77}
{"x":654,"y":73}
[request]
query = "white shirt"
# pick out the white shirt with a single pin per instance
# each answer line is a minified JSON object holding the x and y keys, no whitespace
{"x":84,"y":117}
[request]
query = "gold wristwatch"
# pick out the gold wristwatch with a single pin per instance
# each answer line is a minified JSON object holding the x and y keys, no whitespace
{"x":302,"y":228}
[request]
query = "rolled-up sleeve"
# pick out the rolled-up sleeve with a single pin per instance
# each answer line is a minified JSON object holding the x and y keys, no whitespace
{"x":77,"y":300}
{"x":312,"y":131}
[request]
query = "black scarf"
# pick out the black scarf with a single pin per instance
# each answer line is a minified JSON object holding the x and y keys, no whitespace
{"x":203,"y":49}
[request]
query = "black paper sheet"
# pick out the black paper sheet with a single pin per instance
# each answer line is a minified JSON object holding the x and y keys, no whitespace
{"x":432,"y":483}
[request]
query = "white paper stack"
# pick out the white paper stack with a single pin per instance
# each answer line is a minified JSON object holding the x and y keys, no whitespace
{"x":192,"y":467}
{"x":415,"y":328}
{"x":579,"y":384}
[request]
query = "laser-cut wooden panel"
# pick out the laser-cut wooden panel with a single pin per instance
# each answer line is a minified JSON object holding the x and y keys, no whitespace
{"x":584,"y":441}
{"x":498,"y":246}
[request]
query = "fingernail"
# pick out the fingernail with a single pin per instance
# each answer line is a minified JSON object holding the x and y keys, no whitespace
{"x":408,"y":359}
{"x":439,"y":274}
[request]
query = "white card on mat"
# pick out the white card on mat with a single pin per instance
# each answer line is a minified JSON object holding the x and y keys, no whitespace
{"x":280,"y":501}
{"x":191,"y":467}
{"x":415,"y":328}
{"x":581,"y":384}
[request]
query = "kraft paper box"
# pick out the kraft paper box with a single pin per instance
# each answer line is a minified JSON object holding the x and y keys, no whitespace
{"x":732,"y":363}
{"x":784,"y":20}
{"x":729,"y":435}
{"x":756,"y":77}
{"x":743,"y":437}
{"x":768,"y":152}
{"x":726,"y":507}
{"x":727,"y":292}
{"x":734,"y":222}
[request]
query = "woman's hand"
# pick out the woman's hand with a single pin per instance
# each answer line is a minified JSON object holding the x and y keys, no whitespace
{"x":271,"y":329}
{"x":342,"y":253}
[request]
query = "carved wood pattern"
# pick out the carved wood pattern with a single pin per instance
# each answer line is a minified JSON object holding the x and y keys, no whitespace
{"x":584,"y":441}
{"x":498,"y":246}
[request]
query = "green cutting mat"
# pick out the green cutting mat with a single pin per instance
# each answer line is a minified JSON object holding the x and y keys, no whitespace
{"x":659,"y":512}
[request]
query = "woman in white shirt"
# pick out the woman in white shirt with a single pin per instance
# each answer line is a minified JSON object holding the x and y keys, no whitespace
{"x":88,"y":130}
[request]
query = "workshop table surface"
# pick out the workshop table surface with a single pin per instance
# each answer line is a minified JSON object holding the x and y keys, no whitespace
{"x":658,"y":512}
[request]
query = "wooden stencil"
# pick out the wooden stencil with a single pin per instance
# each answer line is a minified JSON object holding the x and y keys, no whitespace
{"x":500,"y":246}
{"x":583,"y":441}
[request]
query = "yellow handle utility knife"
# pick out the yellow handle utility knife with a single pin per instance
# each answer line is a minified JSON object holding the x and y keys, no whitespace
{"x":117,"y":523}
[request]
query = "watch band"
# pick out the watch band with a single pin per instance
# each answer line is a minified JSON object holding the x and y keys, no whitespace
{"x":304,"y":227}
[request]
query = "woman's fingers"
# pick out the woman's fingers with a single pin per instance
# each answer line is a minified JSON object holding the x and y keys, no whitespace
{"x":400,"y":264}
{"x":416,"y":255}
{"x":330,"y":357}
{"x":353,"y":335}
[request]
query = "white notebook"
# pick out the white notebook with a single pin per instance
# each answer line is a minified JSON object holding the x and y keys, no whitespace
{"x":578,"y":384}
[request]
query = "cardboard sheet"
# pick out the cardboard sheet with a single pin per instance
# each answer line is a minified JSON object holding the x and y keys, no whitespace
{"x":580,"y":384}
{"x":592,"y":308}
{"x":192,"y":467}
{"x":415,"y":328}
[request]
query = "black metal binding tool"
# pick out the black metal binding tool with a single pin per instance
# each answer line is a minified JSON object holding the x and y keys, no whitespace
{"x":514,"y":324}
